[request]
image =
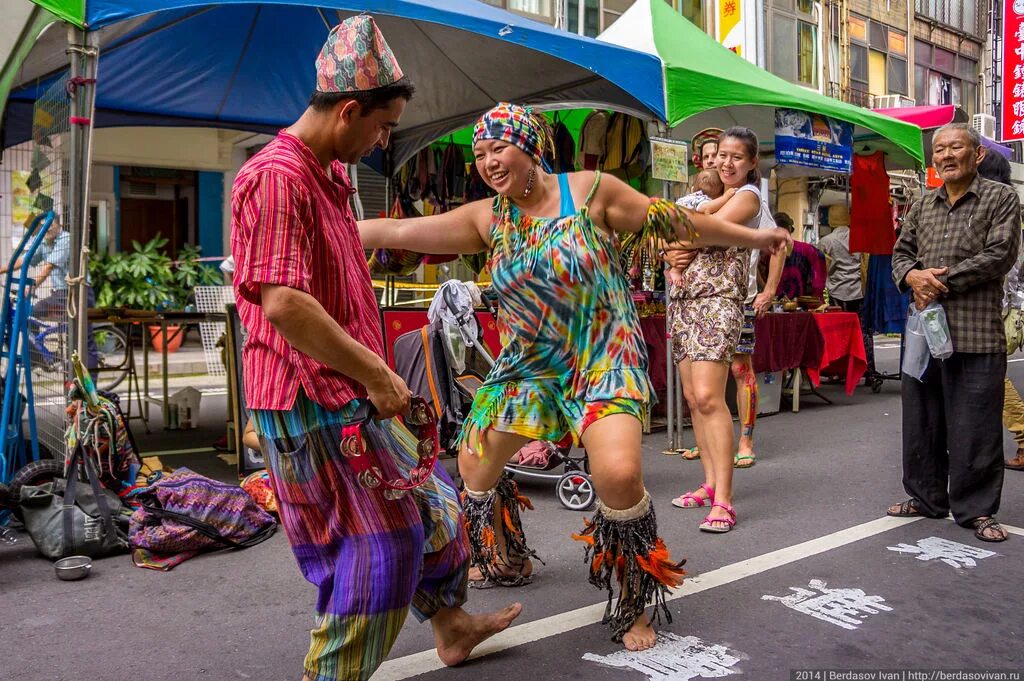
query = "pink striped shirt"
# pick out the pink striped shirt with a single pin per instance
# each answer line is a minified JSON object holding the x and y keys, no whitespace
{"x":292,"y":225}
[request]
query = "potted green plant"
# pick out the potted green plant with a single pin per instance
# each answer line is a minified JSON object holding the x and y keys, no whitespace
{"x":145,"y":278}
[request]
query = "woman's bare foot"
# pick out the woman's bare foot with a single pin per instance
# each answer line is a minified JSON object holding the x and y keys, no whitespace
{"x":640,"y":636}
{"x":476,"y":575}
{"x":457,"y":633}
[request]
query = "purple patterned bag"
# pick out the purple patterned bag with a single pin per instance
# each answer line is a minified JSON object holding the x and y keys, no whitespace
{"x":184,"y":514}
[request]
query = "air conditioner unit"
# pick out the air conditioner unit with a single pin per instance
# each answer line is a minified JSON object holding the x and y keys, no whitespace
{"x":891,"y":102}
{"x":984,"y":124}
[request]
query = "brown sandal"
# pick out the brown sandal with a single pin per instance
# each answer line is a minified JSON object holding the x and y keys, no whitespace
{"x":989,"y":523}
{"x":906,"y":509}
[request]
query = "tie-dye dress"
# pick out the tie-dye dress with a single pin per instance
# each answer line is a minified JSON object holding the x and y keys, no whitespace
{"x":572,"y":350}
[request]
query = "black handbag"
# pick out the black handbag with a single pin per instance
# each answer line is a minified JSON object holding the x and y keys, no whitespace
{"x":65,"y":521}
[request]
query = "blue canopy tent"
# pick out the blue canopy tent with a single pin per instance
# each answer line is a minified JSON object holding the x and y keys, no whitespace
{"x":244,"y":65}
{"x":249,"y":65}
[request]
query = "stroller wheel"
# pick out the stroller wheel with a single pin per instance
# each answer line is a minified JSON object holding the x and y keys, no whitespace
{"x":576,"y":491}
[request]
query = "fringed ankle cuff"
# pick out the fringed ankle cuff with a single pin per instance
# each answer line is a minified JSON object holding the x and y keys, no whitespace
{"x":625,"y":545}
{"x":479,"y":511}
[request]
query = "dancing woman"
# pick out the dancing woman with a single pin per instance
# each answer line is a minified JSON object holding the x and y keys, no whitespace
{"x":573,"y":358}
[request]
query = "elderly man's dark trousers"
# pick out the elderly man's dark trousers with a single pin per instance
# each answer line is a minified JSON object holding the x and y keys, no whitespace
{"x":953,"y":436}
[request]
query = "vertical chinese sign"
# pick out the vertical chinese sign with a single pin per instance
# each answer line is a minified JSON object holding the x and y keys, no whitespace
{"x":1013,"y":70}
{"x":736,"y":27}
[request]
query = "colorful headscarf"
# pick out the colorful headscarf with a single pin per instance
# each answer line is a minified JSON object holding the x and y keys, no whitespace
{"x":520,"y":127}
{"x":356,"y":57}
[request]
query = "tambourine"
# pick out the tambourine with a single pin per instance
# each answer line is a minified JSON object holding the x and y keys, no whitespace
{"x":362,"y":446}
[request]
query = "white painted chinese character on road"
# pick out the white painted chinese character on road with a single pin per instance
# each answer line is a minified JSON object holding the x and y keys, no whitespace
{"x":844,"y":608}
{"x":674,"y":658}
{"x":949,"y":552}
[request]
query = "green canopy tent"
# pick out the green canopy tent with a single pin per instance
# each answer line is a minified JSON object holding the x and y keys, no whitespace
{"x":707,"y":85}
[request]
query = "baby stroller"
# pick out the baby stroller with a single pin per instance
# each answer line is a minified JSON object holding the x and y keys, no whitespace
{"x":447,"y":361}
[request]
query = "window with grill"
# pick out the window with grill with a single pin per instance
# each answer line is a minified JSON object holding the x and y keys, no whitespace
{"x":944,"y":77}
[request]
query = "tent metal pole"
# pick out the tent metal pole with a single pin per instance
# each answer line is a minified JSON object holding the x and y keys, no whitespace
{"x":83,"y":46}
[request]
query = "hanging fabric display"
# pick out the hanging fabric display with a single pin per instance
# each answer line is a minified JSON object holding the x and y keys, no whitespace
{"x":871,"y":225}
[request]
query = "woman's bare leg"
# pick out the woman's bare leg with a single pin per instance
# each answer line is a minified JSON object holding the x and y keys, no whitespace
{"x":614,"y":448}
{"x":709,"y":381}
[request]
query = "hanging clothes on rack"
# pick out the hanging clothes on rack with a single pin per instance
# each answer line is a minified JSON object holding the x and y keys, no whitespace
{"x":871,"y":226}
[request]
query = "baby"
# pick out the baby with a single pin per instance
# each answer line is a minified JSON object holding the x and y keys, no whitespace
{"x":709,"y":196}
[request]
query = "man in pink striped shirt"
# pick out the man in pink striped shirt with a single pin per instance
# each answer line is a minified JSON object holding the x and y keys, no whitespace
{"x":314,"y":351}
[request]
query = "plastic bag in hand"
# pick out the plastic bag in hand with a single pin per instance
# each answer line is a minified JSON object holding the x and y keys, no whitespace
{"x":916,"y":354}
{"x":936,"y":331}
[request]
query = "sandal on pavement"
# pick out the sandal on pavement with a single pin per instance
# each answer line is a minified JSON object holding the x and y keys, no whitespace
{"x":989,"y":523}
{"x":691,"y":500}
{"x":1017,"y":462}
{"x":905,"y":509}
{"x":711,"y":524}
{"x":744,"y":460}
{"x":690,"y":454}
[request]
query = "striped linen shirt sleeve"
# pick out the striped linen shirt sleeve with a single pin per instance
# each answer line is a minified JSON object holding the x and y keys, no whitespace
{"x":276,"y":246}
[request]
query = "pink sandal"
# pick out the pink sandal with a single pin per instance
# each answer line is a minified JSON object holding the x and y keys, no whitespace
{"x":691,"y":500}
{"x":709,"y":523}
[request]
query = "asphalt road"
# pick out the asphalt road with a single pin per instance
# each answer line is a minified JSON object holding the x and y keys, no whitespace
{"x":846,"y":588}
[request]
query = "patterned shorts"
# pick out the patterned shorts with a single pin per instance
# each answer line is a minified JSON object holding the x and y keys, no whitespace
{"x":747,"y":339}
{"x":538,"y":409}
{"x":704,"y":329}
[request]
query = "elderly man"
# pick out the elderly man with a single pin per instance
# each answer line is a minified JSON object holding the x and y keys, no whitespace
{"x":956,"y":245}
{"x":314,"y":352}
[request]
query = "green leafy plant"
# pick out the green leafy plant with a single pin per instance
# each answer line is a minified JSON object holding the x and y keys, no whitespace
{"x":146,"y":278}
{"x":189,"y":273}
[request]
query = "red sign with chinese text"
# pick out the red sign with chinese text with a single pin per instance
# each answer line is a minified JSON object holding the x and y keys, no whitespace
{"x":1013,"y":70}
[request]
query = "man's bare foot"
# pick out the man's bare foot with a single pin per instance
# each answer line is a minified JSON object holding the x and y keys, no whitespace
{"x":457,"y":633}
{"x":476,"y":575}
{"x":640,"y":636}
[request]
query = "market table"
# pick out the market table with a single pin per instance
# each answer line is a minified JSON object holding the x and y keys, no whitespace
{"x":653,"y":329}
{"x":788,"y":341}
{"x":146,"y":319}
{"x":843,"y":353}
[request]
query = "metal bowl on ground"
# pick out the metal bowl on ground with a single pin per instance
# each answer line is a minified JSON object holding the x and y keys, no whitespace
{"x":73,"y":567}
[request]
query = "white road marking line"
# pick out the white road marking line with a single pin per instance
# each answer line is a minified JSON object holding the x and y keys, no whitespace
{"x":427,"y":660}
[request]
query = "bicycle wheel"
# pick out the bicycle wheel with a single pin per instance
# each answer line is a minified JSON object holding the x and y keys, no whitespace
{"x":112,"y":356}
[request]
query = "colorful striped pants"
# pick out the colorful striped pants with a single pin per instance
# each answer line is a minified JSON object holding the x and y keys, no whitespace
{"x":371,"y":558}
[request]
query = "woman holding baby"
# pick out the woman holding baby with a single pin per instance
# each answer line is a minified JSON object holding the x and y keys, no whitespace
{"x":708,"y":323}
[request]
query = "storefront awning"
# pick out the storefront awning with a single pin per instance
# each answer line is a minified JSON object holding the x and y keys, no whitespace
{"x":931,"y":117}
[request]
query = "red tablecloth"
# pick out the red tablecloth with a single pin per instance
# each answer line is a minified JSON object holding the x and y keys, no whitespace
{"x":844,"y":348}
{"x":787,"y":340}
{"x":653,"y":329}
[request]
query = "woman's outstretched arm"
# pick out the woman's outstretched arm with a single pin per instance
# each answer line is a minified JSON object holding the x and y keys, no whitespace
{"x":462,"y":230}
